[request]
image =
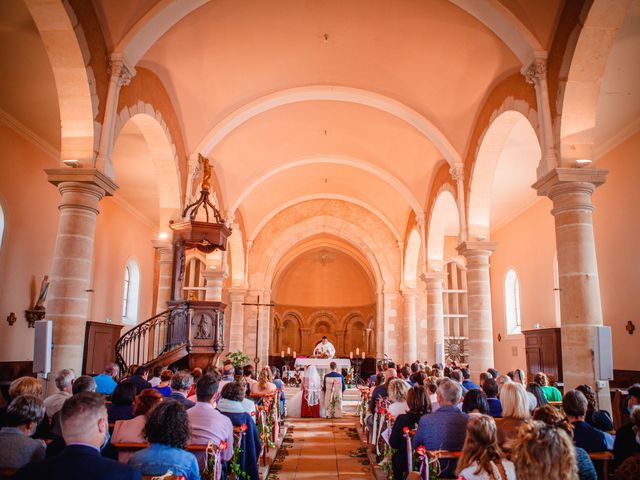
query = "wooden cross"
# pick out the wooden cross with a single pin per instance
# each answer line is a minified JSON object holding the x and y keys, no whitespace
{"x":256,"y":360}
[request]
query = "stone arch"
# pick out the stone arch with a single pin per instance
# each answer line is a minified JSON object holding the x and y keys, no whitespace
{"x":292,"y":337}
{"x":411,"y":258}
{"x":355,"y":337}
{"x":586,"y":61}
{"x":443,"y":222}
{"x":485,"y":166}
{"x":75,"y":79}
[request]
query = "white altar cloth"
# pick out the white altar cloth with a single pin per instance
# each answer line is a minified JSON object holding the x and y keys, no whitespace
{"x":322,"y":364}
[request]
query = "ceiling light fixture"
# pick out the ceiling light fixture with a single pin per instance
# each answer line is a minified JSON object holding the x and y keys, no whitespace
{"x":163,"y":236}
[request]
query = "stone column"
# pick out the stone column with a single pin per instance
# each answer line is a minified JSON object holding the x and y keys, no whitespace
{"x":379,"y":326}
{"x":435,"y":313}
{"x":236,"y":324}
{"x":409,"y":310}
{"x":214,"y":283}
{"x":165,"y":266}
{"x":68,"y":302}
{"x":479,"y":305}
{"x":570,"y":190}
{"x":457,"y":174}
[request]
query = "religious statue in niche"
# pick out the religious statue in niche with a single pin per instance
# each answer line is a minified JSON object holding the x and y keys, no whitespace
{"x":203,"y":332}
{"x":38,"y":310}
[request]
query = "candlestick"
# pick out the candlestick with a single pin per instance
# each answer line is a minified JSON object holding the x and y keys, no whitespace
{"x":351,"y":355}
{"x":358,"y":352}
{"x":282,"y":354}
{"x":363,"y":355}
{"x":289,"y":351}
{"x":294,"y":354}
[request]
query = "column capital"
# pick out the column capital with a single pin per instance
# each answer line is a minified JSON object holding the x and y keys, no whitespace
{"x":421,"y":219}
{"x":237,"y":294}
{"x":120,"y":69}
{"x":477,"y":248}
{"x":433,"y":277}
{"x":560,"y":180}
{"x":410,"y":294}
{"x":457,"y":171}
{"x":161,"y":244}
{"x":536,"y":70}
{"x":89,"y":176}
{"x":209,"y":274}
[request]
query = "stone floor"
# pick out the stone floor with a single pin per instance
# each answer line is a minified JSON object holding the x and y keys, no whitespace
{"x":320,"y":450}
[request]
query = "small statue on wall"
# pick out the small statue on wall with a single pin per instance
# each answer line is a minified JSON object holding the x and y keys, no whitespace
{"x":11,"y":319}
{"x":203,"y":332}
{"x":38,"y":310}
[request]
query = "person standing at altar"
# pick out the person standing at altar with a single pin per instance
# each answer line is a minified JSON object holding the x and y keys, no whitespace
{"x":333,"y":386}
{"x":311,"y":393}
{"x":324,"y":349}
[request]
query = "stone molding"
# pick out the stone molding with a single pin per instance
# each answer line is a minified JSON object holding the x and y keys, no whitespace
{"x":89,"y":176}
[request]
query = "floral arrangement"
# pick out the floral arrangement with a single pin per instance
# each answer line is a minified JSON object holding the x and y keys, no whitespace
{"x":213,"y":462}
{"x":234,"y":464}
{"x":349,"y":379}
{"x":238,"y":359}
{"x":361,"y":411}
{"x":297,"y":379}
{"x":265,"y":428}
{"x":335,"y":400}
{"x":425,"y":460}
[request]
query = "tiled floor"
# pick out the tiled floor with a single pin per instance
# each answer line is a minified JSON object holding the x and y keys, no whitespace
{"x":321,"y":450}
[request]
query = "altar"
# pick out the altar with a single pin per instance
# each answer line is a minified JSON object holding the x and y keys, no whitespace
{"x":322,"y":364}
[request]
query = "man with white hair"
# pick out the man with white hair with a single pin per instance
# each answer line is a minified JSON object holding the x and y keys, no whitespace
{"x":446,"y":428}
{"x":85,"y":429}
{"x":64,"y":381}
{"x":105,"y":382}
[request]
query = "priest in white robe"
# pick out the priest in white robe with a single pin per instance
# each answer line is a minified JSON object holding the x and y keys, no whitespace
{"x":324,"y":349}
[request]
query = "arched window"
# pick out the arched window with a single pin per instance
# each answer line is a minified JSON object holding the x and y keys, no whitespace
{"x":512,"y":302}
{"x":131,"y":288}
{"x":1,"y":225}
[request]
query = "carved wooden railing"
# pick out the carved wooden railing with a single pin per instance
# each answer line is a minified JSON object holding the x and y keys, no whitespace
{"x":166,"y":332}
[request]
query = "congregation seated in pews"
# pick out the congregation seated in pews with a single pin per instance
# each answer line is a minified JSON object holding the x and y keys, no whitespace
{"x":502,"y":428}
{"x":193,"y":431}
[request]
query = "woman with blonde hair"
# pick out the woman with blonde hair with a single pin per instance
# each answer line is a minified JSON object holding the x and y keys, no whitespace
{"x":544,"y":451}
{"x":397,"y":390}
{"x":264,"y":385}
{"x":26,"y":386}
{"x":482,"y":458}
{"x":515,"y":411}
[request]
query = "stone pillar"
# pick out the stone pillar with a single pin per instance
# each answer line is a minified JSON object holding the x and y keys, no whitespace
{"x":570,"y":190}
{"x":479,"y":305}
{"x":457,"y":174}
{"x":68,"y":302}
{"x":379,"y":326}
{"x":165,"y":266}
{"x":236,"y":324}
{"x":435,"y":313}
{"x":410,"y":353}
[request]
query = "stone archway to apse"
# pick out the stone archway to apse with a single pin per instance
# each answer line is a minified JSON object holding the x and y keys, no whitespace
{"x":324,"y":287}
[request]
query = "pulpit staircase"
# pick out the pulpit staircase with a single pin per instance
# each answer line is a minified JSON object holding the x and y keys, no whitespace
{"x":169,"y":337}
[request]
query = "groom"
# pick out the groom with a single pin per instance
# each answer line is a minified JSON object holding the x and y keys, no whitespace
{"x":324,"y":349}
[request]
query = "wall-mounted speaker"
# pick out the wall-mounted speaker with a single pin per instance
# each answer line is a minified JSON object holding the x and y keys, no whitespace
{"x":603,"y":353}
{"x":440,"y":353}
{"x":42,"y":346}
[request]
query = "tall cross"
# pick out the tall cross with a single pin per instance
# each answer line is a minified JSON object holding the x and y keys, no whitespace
{"x":256,"y":360}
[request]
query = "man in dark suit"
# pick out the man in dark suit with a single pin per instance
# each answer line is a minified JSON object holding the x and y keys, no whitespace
{"x":446,"y":428}
{"x":574,"y":405}
{"x":626,"y":444}
{"x":180,"y":385}
{"x":85,"y":430}
{"x":139,"y":379}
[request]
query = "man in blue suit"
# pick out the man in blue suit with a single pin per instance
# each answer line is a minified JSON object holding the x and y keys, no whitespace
{"x":446,"y":428}
{"x":85,"y":430}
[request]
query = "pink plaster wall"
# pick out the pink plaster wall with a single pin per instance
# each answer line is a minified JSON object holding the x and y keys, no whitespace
{"x":528,"y":244}
{"x":30,"y":206}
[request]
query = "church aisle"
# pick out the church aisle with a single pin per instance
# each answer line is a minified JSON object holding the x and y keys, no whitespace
{"x":320,"y":450}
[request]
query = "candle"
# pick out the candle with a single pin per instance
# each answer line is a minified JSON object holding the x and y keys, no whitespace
{"x":351,"y":355}
{"x":294,"y":354}
{"x":357,"y":351}
{"x":289,"y":351}
{"x":282,"y":354}
{"x":363,"y":355}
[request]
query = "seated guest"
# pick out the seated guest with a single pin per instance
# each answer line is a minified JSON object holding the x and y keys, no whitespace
{"x":180,"y":385}
{"x":445,"y":428}
{"x":155,"y":379}
{"x":482,"y":457}
{"x":277,"y":381}
{"x":373,"y":378}
{"x":207,"y":423}
{"x":627,"y":442}
{"x":398,"y":389}
{"x":494,"y":373}
{"x":490,"y":388}
{"x":519,"y":377}
{"x":63,"y":380}
{"x":25,"y":386}
{"x":405,"y":374}
{"x":456,"y":376}
{"x":130,"y":431}
{"x":599,"y":419}
{"x":164,"y":386}
{"x":419,"y":405}
{"x":83,"y":383}
{"x":544,"y":452}
{"x":432,"y":387}
{"x":475,"y":403}
{"x":419,"y":378}
{"x":228,"y":375}
{"x":105,"y":382}
{"x":551,"y":393}
{"x":536,"y":390}
{"x":264,"y":385}
{"x":552,"y":417}
{"x":484,"y":376}
{"x":17,"y":448}
{"x":247,"y":372}
{"x":86,"y":431}
{"x":168,"y":431}
{"x":629,"y":469}
{"x":251,"y":446}
{"x":574,"y":405}
{"x":121,"y":407}
{"x":381,"y":390}
{"x":227,"y":405}
{"x":196,"y":373}
{"x":501,"y":380}
{"x":139,"y":379}
{"x":515,"y":411}
{"x":467,"y":383}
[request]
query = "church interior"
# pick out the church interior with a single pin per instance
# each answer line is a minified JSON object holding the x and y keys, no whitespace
{"x":437,"y":181}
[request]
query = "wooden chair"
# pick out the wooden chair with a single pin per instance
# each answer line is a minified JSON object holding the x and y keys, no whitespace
{"x":8,"y":472}
{"x":605,"y":458}
{"x":163,"y":477}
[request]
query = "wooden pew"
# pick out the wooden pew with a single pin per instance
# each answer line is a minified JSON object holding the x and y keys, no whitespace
{"x":605,"y":458}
